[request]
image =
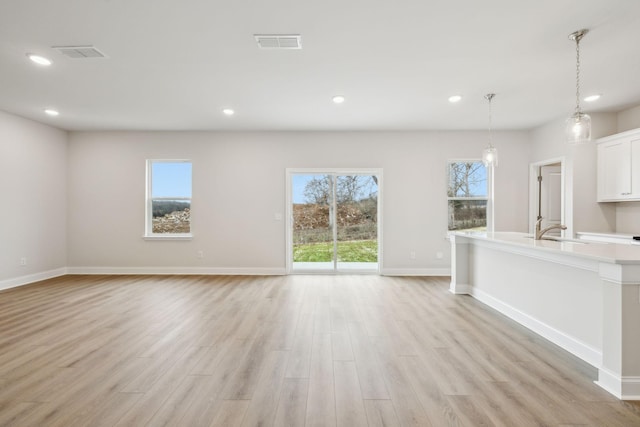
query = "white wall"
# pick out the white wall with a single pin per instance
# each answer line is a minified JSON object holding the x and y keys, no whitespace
{"x":628,"y":218}
{"x":580,"y":181}
{"x":628,"y":213}
{"x":588,"y":215}
{"x":33,"y":211}
{"x":239,"y":184}
{"x":629,"y":119}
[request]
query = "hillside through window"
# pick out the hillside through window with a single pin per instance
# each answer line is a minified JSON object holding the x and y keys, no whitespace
{"x":467,"y":196}
{"x":168,"y":198}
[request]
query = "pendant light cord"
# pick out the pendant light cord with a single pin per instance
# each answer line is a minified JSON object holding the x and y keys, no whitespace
{"x":578,"y":74}
{"x":578,"y":125}
{"x":489,"y":97}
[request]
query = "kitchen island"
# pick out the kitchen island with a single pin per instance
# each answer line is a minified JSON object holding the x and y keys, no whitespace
{"x":582,"y":296}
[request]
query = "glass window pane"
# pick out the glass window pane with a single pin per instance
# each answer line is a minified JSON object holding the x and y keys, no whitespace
{"x":171,"y":216}
{"x":171,"y":179}
{"x":312,"y":227}
{"x":357,"y":219}
{"x":468,"y":215}
{"x":335,"y":222}
{"x":467,"y":179}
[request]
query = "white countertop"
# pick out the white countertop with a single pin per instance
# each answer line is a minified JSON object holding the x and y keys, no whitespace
{"x":626,"y":237}
{"x":609,"y":234}
{"x":599,"y":251}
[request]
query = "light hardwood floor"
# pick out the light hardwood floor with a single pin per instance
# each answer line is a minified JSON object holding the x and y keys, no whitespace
{"x":284,"y":351}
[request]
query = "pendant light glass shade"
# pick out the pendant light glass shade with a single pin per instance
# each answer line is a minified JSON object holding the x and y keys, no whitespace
{"x":490,"y":154}
{"x":578,"y":125}
{"x":578,"y":128}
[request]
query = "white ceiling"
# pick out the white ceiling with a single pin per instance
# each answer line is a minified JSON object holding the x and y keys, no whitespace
{"x":175,"y":64}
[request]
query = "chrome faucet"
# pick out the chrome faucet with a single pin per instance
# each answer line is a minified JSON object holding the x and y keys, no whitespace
{"x":540,"y":233}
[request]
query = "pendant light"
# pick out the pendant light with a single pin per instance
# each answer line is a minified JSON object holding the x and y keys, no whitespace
{"x":490,"y":154}
{"x":578,"y":129}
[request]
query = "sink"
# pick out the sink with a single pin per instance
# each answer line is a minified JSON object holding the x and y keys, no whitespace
{"x":561,"y":240}
{"x":572,"y":241}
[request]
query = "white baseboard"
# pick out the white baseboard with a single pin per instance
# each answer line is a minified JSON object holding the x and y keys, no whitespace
{"x":31,"y":278}
{"x":624,"y":388}
{"x":572,"y":345}
{"x":238,"y":271}
{"x":460,"y":289}
{"x":220,"y":271}
{"x":630,"y":388}
{"x":416,"y":272}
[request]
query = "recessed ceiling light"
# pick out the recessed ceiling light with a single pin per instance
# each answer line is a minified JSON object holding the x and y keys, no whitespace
{"x":228,"y":112}
{"x":455,"y":98}
{"x":40,"y":60}
{"x":592,"y":98}
{"x":51,"y":112}
{"x":338,"y":99}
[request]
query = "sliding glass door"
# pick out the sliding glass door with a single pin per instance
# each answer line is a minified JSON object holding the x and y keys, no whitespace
{"x":333,"y":221}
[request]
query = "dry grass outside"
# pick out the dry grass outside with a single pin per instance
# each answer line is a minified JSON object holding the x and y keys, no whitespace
{"x":173,"y":223}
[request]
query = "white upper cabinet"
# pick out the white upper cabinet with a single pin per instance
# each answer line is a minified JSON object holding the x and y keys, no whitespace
{"x":619,"y":167}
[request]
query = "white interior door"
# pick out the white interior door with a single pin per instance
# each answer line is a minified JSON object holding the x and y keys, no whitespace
{"x":551,"y":196}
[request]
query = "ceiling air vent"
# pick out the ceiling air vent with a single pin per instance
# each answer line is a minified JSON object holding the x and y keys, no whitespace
{"x":80,"y":51}
{"x":278,"y":41}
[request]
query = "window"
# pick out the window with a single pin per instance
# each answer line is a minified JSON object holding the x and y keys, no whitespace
{"x":168,"y":212}
{"x":467,"y":195}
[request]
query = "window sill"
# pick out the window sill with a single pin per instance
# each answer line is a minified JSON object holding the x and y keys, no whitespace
{"x":168,"y":237}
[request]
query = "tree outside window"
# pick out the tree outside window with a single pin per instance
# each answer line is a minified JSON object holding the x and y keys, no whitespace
{"x":467,"y":195}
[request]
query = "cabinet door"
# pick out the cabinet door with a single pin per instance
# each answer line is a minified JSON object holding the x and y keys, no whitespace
{"x":614,"y":170}
{"x":635,"y":169}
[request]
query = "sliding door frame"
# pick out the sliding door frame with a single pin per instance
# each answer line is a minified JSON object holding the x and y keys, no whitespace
{"x":289,"y":216}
